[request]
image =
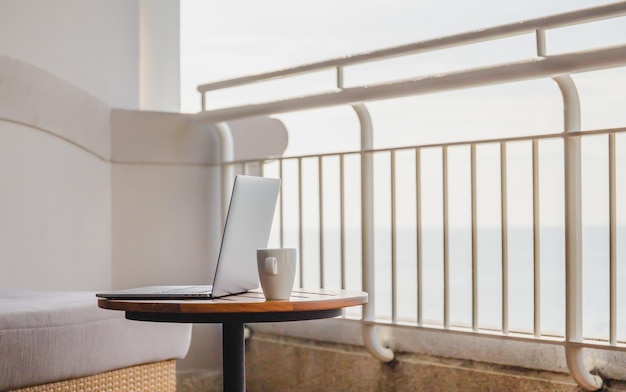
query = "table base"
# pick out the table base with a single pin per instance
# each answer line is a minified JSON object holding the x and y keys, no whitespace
{"x":233,"y":342}
{"x":233,"y":356}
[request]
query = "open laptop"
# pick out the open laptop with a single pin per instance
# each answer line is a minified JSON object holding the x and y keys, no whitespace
{"x":247,"y":228}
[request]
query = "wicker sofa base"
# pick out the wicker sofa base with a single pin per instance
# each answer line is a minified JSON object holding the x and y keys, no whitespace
{"x":152,"y":377}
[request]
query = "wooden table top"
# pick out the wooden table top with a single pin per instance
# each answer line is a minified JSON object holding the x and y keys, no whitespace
{"x":302,"y":300}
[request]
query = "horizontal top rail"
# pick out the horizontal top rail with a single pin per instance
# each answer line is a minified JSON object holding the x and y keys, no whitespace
{"x":548,"y":66}
{"x":478,"y":142}
{"x":502,"y":31}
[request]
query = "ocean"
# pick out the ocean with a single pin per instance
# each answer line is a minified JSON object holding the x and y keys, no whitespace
{"x":595,"y":278}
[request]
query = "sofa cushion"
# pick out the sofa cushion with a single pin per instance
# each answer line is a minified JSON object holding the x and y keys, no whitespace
{"x":53,"y":336}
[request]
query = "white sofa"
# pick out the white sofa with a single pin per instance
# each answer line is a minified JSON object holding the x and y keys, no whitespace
{"x":48,"y":337}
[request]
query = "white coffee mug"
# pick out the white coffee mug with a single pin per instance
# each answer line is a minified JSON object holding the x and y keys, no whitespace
{"x":277,"y":271}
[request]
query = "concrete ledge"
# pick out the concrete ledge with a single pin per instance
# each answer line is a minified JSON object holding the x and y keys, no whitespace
{"x":276,"y":363}
{"x":143,"y":137}
{"x":198,"y":380}
{"x":163,"y":138}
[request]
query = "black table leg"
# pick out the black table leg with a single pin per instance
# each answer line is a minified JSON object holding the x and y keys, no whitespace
{"x":233,"y":357}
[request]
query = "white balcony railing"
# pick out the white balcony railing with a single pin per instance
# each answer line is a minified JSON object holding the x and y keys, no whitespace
{"x":349,"y":169}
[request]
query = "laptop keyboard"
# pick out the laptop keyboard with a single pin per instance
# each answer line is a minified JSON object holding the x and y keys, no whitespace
{"x":189,"y":290}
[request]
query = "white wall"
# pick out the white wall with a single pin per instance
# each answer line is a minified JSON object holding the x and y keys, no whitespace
{"x":55,"y":214}
{"x":124,"y":52}
{"x":92,"y":44}
{"x":163,"y":199}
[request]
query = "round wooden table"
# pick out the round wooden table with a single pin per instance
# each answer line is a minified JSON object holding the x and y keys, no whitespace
{"x":236,"y":310}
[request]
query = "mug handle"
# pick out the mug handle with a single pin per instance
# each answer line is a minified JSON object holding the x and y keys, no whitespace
{"x":271,"y":266}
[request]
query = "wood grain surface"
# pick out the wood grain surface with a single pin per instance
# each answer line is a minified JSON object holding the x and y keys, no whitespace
{"x":302,"y":300}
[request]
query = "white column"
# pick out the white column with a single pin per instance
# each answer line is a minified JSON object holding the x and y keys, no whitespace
{"x":159,"y":55}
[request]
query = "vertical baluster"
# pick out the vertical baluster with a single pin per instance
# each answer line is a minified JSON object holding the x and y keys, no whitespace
{"x":300,"y":225}
{"x":573,"y":237}
{"x":540,"y":39}
{"x":394,"y":290}
{"x":367,"y":236}
{"x":613,"y":241}
{"x":281,"y":203}
{"x":505,"y":238}
{"x":418,"y":224}
{"x":342,"y":220}
{"x":227,"y":185}
{"x":339,"y":75}
{"x":536,"y":240}
{"x":321,"y":217}
{"x":474,"y":239}
{"x":446,"y":258}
